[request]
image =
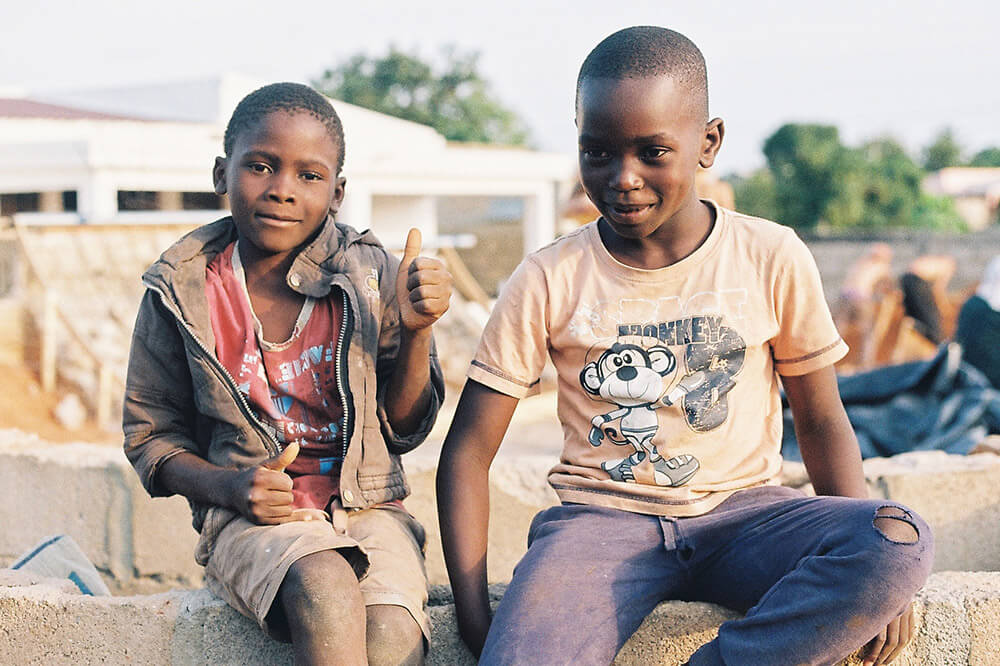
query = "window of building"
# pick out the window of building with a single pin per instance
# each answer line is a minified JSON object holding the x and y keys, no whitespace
{"x":201,"y":201}
{"x":21,"y":202}
{"x":137,"y":200}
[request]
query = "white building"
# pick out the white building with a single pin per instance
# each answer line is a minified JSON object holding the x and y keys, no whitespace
{"x":144,"y":153}
{"x":975,"y":191}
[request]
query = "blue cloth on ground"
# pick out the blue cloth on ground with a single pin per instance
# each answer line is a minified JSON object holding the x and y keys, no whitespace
{"x":940,"y":404}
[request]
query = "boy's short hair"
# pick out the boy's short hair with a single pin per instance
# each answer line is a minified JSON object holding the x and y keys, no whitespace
{"x":647,"y":51}
{"x":289,"y":97}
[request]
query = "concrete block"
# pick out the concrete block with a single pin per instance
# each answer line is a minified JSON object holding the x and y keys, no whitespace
{"x":958,"y":613}
{"x":90,"y":492}
{"x":40,"y":625}
{"x":207,"y":631}
{"x":22,"y":578}
{"x":163,"y":539}
{"x":63,"y":489}
{"x":672,"y":633}
{"x":973,"y":599}
{"x":956,"y":495}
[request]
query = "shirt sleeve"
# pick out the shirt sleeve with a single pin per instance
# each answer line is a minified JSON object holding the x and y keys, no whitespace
{"x":807,"y":338}
{"x":514,"y":344}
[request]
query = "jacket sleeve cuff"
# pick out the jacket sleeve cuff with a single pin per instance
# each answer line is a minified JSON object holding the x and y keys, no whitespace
{"x":148,"y":460}
{"x":398,"y":443}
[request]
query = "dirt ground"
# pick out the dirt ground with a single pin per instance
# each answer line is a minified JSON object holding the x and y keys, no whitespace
{"x":24,"y":406}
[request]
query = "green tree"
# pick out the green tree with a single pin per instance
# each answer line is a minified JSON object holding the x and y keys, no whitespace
{"x":987,"y":157}
{"x":942,"y":152}
{"x":754,"y":194}
{"x":808,"y":164}
{"x":817,"y":180}
{"x":453,"y":98}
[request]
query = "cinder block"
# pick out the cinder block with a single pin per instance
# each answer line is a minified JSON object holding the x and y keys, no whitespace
{"x":208,"y":631}
{"x":40,"y":625}
{"x":63,"y":489}
{"x":979,"y":594}
{"x":672,"y":633}
{"x":163,"y":539}
{"x":956,"y":495}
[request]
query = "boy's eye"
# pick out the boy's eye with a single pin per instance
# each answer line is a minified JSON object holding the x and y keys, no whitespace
{"x":259,"y":167}
{"x":595,"y":154}
{"x":311,"y":176}
{"x":655,"y":153}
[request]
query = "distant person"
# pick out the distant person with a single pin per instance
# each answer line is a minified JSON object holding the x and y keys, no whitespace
{"x":979,"y":325}
{"x":669,"y":321}
{"x":280,"y":365}
{"x":925,"y":293}
{"x":868,"y":280}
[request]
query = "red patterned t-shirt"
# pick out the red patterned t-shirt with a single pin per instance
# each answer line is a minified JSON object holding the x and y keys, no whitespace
{"x":291,"y":386}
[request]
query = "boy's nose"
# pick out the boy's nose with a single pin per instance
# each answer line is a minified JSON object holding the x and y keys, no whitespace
{"x":625,"y":177}
{"x":281,"y":189}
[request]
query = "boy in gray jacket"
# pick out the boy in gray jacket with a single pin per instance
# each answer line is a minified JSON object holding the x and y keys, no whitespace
{"x":281,"y":363}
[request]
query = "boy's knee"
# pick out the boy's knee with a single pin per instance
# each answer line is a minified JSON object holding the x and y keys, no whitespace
{"x":319,"y":584}
{"x":394,"y":637}
{"x":896,"y":524}
{"x":907,"y":539}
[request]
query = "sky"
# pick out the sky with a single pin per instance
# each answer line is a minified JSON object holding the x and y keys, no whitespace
{"x":872,"y":68}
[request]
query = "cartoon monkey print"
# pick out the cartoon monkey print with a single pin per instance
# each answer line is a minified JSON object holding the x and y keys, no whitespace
{"x":632,"y":377}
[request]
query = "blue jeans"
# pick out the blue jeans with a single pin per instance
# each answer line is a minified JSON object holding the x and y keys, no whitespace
{"x":815,"y":577}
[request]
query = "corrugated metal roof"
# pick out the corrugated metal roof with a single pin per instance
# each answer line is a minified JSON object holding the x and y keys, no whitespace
{"x":28,"y":108}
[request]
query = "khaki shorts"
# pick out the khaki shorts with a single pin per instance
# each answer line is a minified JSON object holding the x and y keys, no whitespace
{"x":247,"y":563}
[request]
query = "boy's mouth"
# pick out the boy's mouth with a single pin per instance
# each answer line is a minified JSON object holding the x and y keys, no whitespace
{"x":628,"y":210}
{"x":276,"y":219}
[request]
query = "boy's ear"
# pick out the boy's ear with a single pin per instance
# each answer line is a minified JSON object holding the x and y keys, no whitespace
{"x":339,"y":187}
{"x":714,"y":131}
{"x":219,"y":175}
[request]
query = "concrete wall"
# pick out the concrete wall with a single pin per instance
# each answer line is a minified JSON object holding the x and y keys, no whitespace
{"x":141,"y":545}
{"x":971,"y":251}
{"x":43,"y":623}
{"x":91,"y":493}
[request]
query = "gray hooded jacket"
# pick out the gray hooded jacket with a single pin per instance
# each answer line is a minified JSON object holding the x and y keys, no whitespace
{"x":178,"y":397}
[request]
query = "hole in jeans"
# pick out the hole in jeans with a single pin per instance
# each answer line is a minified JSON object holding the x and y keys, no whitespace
{"x":896,"y":525}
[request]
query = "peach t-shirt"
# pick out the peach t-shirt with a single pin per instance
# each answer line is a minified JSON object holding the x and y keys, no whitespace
{"x":667,"y":379}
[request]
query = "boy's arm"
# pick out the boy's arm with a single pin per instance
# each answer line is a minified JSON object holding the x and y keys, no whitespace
{"x":157,"y":418}
{"x":262,"y":494}
{"x":825,"y":436}
{"x":832,"y":457}
{"x":423,"y":289}
{"x":463,"y":495}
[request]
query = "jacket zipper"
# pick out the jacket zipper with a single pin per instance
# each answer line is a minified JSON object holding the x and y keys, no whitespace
{"x":268,"y":438}
{"x":341,"y":386}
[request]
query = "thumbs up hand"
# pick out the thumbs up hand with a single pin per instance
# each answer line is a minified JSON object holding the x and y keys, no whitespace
{"x":263,"y":494}
{"x":423,"y":286}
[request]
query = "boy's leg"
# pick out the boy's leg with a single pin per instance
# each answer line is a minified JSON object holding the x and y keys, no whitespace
{"x":821,"y":576}
{"x":324,"y":611}
{"x":261,"y":569}
{"x":395,"y":588}
{"x":590,"y":576}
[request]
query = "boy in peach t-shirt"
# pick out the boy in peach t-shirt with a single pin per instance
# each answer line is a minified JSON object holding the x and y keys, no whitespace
{"x":669,"y":321}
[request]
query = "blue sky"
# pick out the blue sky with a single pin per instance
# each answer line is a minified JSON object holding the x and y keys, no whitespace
{"x":872,"y":68}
